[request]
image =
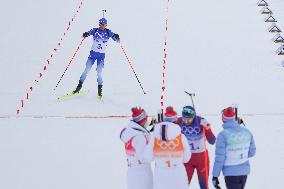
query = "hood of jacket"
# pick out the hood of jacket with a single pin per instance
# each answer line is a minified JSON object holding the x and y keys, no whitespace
{"x":133,"y":129}
{"x":231,"y":124}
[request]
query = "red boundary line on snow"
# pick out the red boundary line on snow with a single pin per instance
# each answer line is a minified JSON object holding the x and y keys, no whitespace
{"x":67,"y":117}
{"x":40,"y":75}
{"x":115,"y":116}
{"x":164,"y":60}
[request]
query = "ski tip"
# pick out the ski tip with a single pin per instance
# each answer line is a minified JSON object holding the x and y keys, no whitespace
{"x":72,"y":94}
{"x":101,"y":98}
{"x":60,"y":98}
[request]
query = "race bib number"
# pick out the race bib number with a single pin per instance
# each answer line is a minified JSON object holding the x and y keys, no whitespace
{"x":237,"y":148}
{"x":197,"y":146}
{"x":237,"y":155}
{"x":195,"y":138}
{"x":99,"y":46}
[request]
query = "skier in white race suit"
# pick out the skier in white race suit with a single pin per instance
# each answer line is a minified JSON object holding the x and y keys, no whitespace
{"x":169,"y":148}
{"x":135,"y":138}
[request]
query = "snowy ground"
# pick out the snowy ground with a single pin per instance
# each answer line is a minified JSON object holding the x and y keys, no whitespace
{"x":219,"y":50}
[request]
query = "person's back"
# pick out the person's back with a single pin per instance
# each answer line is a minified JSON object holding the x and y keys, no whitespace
{"x":239,"y":146}
{"x":135,"y":138}
{"x":169,"y":149}
{"x":234,"y":146}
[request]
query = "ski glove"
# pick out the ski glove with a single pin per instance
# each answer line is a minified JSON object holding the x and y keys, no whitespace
{"x":86,"y":34}
{"x":153,"y":124}
{"x":240,"y":120}
{"x":215,"y":182}
{"x":153,"y":121}
{"x":116,"y":37}
{"x":204,"y":123}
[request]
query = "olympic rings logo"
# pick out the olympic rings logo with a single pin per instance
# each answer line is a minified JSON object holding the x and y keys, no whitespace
{"x":171,"y":145}
{"x":239,"y":138}
{"x":192,"y":131}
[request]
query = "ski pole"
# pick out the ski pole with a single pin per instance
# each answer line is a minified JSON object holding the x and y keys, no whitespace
{"x":191,"y":95}
{"x":70,"y":62}
{"x":217,"y":187}
{"x":104,"y":11}
{"x":205,"y":158}
{"x":160,"y":116}
{"x":236,"y":112}
{"x":239,"y":120}
{"x":131,"y":67}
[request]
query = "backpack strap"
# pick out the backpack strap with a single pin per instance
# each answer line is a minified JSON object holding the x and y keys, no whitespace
{"x":164,"y":132}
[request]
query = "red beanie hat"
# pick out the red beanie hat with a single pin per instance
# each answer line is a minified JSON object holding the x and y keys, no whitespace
{"x":139,"y":115}
{"x":170,"y":114}
{"x":228,"y":114}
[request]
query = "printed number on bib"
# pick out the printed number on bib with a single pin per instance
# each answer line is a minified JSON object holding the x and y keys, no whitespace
{"x":100,"y":46}
{"x":193,"y":147}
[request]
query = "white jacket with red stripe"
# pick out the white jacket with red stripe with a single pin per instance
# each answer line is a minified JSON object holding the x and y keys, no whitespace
{"x":169,"y":148}
{"x":135,"y":139}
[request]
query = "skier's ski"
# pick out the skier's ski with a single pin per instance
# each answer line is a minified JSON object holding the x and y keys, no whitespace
{"x":72,"y":94}
{"x":101,"y":98}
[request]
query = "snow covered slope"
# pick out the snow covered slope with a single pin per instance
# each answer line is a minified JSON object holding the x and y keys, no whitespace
{"x":219,"y":50}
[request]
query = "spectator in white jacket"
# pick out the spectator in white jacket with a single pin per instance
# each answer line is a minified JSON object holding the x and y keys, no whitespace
{"x":169,"y":148}
{"x":135,"y":138}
